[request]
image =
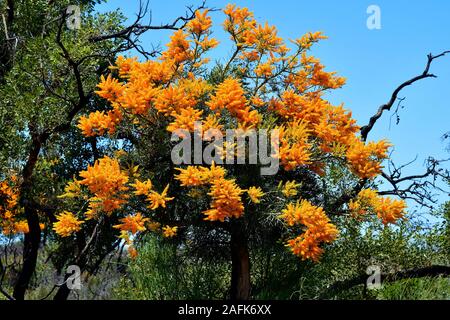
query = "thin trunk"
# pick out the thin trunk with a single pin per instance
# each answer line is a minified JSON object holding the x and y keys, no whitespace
{"x":33,"y":238}
{"x":240,"y":265}
{"x":63,"y":292}
{"x":30,"y":254}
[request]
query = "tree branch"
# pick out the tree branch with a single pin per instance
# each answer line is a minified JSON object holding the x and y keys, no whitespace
{"x":365,"y":130}
{"x":431,"y":271}
{"x":136,"y":28}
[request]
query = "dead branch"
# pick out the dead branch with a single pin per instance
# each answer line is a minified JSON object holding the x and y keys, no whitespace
{"x":365,"y":130}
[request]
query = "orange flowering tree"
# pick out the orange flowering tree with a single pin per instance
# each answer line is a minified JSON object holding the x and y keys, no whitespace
{"x":266,"y":84}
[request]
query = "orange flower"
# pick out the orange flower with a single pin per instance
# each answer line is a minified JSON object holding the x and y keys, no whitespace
{"x":387,"y":209}
{"x":106,"y":181}
{"x":289,"y":189}
{"x":178,"y":49}
{"x":227,"y":202}
{"x":169,"y":232}
{"x":264,"y":69}
{"x":125,"y":65}
{"x":158,"y":199}
{"x":319,"y":229}
{"x":98,"y":123}
{"x":173,"y":100}
{"x":110,"y":88}
{"x":231,"y":96}
{"x":308,"y":39}
{"x":21,"y":227}
{"x":294,"y":147}
{"x":142,"y":188}
{"x":104,"y":178}
{"x":200,"y":24}
{"x":67,"y":224}
{"x":336,"y":126}
{"x":211,"y":127}
{"x":255,"y":193}
{"x":132,"y":223}
{"x":184,"y":121}
{"x":192,"y":176}
{"x":365,"y":159}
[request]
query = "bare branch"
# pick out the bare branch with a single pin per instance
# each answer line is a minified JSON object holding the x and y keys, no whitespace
{"x":419,"y":186}
{"x":136,"y":28}
{"x":365,"y":130}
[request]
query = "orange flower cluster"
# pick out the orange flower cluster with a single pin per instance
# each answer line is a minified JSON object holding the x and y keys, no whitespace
{"x":98,"y":123}
{"x":148,"y":86}
{"x":227,"y":201}
{"x":110,"y":89}
{"x":201,"y":23}
{"x":248,"y":34}
{"x":9,"y":211}
{"x":294,"y":147}
{"x":387,"y":209}
{"x":21,"y":226}
{"x":231,"y":96}
{"x":185,"y":121}
{"x":225,"y":193}
{"x":289,"y":189}
{"x":159,"y":199}
{"x":335,"y":126}
{"x":319,"y":229}
{"x":173,"y":99}
{"x":107,"y":182}
{"x":67,"y":224}
{"x":239,"y":23}
{"x":307,"y":40}
{"x":178,"y":49}
{"x":365,"y":159}
{"x":156,"y":199}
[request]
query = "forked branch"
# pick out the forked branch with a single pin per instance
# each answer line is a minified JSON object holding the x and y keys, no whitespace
{"x":365,"y":130}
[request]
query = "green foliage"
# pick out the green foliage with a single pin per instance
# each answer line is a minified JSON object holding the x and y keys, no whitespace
{"x":162,"y":271}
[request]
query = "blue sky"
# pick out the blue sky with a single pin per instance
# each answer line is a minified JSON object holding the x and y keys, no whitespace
{"x":374,"y":62}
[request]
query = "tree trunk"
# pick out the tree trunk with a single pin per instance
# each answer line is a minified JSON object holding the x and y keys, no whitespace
{"x":63,"y":292}
{"x":32,"y":239}
{"x":30,"y":253}
{"x":240,"y":264}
